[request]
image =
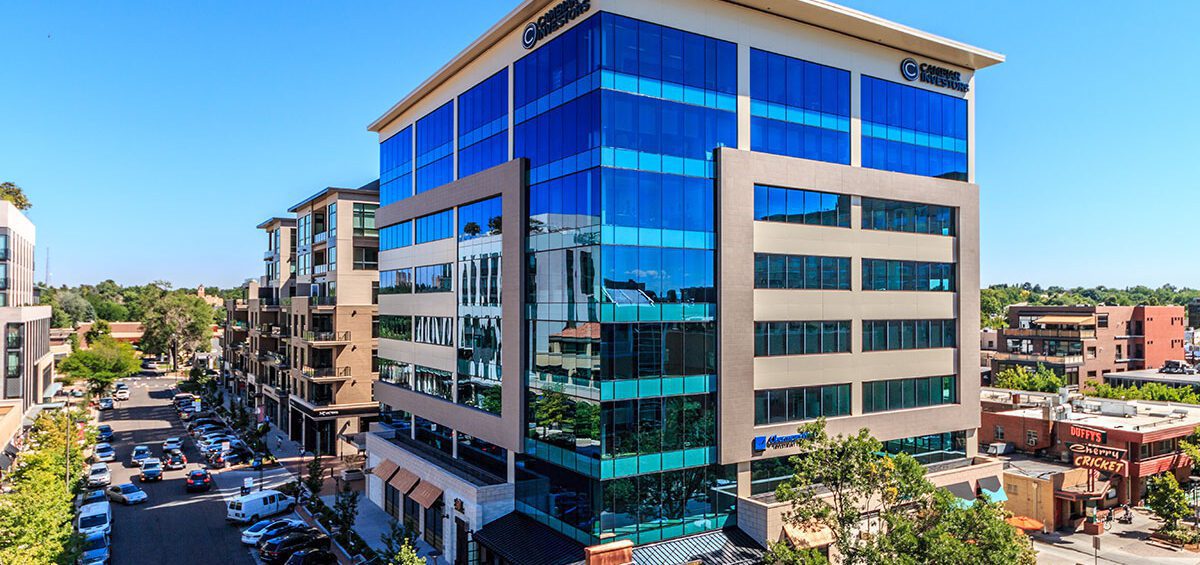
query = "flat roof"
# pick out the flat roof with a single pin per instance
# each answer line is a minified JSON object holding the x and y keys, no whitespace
{"x":1154,"y":375}
{"x":819,"y":13}
{"x":276,"y":220}
{"x":1021,"y":464}
{"x":1151,"y":416}
{"x":369,"y":189}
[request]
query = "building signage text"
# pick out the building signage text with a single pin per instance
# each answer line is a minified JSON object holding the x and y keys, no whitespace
{"x":1087,"y":434}
{"x":1096,"y":450}
{"x":763,"y":443}
{"x":911,"y":70}
{"x":553,"y":20}
{"x":1111,"y":466}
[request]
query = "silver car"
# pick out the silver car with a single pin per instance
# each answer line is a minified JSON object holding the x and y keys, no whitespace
{"x":105,"y":452}
{"x":98,"y":475}
{"x":127,"y":493}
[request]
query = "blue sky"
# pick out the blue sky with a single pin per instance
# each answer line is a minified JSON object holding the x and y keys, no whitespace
{"x":152,"y":137}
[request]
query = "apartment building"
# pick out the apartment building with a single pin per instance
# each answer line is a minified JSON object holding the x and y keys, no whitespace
{"x":332,"y":317}
{"x":28,"y":364}
{"x":1085,"y":343}
{"x":627,"y":248}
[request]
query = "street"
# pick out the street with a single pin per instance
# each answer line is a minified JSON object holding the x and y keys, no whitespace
{"x":172,"y":524}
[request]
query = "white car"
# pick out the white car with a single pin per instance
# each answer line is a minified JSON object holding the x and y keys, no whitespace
{"x":172,"y":443}
{"x":121,"y":394}
{"x":95,"y":518}
{"x":127,"y":493}
{"x":98,"y":475}
{"x":252,"y":535}
{"x":105,"y":452}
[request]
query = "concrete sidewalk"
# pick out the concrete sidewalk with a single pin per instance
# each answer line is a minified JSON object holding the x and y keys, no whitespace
{"x":372,"y":523}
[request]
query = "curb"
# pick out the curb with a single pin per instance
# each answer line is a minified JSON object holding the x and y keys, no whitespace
{"x":342,"y":555}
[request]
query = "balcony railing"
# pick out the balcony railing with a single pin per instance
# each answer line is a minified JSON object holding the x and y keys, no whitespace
{"x":321,"y":238}
{"x":1047,"y":359}
{"x":325,"y":372}
{"x":320,"y":269}
{"x":238,"y":325}
{"x":1042,"y":332}
{"x":13,"y":341}
{"x":322,"y":300}
{"x":328,"y":336}
{"x":269,"y":255}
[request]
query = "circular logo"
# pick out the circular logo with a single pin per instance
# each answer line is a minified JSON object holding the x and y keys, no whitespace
{"x":529,"y":37}
{"x":910,"y":69}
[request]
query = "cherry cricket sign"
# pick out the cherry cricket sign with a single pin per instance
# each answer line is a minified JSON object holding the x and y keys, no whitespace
{"x":1100,"y":458}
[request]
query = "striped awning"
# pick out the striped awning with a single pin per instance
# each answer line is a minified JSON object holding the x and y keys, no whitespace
{"x":404,"y":480}
{"x":385,"y":469}
{"x":1067,"y":320}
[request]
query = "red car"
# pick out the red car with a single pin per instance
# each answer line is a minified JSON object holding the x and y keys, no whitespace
{"x":174,"y":459}
{"x":199,"y":481}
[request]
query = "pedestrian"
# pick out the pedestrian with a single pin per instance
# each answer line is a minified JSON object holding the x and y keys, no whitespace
{"x":279,"y":443}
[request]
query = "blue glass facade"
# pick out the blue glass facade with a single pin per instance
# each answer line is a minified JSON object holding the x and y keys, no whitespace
{"x":912,"y":130}
{"x":798,"y":108}
{"x":435,"y":148}
{"x":483,"y":125}
{"x":434,"y":226}
{"x":395,"y":167}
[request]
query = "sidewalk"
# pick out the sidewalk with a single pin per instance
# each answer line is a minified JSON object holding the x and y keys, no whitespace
{"x":372,"y":522}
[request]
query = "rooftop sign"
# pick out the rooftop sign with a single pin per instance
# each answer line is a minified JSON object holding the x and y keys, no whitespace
{"x":1087,"y":434}
{"x":911,"y":70}
{"x":553,"y":20}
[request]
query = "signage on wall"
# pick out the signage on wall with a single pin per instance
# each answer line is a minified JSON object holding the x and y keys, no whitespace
{"x":1096,"y":450}
{"x":553,"y":20}
{"x":1111,"y":466}
{"x":1087,"y":434}
{"x":763,"y":443}
{"x":912,"y":71}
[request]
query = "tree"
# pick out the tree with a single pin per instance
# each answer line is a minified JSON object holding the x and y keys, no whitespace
{"x":111,"y":311}
{"x":14,"y":194}
{"x":1167,"y":500}
{"x":839,"y":481}
{"x":397,"y":539}
{"x":100,"y":329}
{"x":345,"y":511}
{"x":76,"y":307}
{"x":177,"y":324}
{"x":316,"y":477}
{"x":1021,"y":378}
{"x":102,"y":364}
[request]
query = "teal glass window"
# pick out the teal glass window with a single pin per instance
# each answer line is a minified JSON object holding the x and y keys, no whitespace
{"x":888,"y":274}
{"x":809,"y":272}
{"x":780,"y":405}
{"x":773,"y":339}
{"x":795,"y":206}
{"x":900,"y":394}
{"x":907,"y":217}
{"x":890,"y":335}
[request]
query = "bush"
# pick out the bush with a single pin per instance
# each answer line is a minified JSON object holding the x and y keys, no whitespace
{"x":1180,"y":535}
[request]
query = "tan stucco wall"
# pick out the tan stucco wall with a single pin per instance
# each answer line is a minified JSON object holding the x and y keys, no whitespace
{"x":740,"y":304}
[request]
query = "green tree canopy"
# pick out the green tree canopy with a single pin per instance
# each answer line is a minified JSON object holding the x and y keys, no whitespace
{"x":177,"y":324}
{"x":839,"y":481}
{"x":1167,"y":500}
{"x":1021,"y":378}
{"x":105,"y":361}
{"x":99,"y":330}
{"x":74,"y":305}
{"x":14,"y":194}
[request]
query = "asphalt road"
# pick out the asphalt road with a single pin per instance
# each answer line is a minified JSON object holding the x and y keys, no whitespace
{"x":172,"y":525}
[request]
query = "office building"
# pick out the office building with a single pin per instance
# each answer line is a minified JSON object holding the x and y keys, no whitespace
{"x":1085,"y":343}
{"x":627,"y":248}
{"x":28,"y":364}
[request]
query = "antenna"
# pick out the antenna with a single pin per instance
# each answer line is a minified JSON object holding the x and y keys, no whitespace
{"x":47,"y":277}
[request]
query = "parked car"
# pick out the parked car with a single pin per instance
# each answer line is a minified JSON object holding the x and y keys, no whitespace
{"x":251,"y":507}
{"x":254,"y":534}
{"x":312,"y":557}
{"x":105,"y":452}
{"x":106,"y":403}
{"x":196,"y":423}
{"x":95,"y":518}
{"x":152,"y":470}
{"x":198,"y":481}
{"x":104,"y":433}
{"x":98,"y":475}
{"x":95,"y":550}
{"x":95,"y":495}
{"x":121,"y":394}
{"x":278,"y":550}
{"x":172,"y":443}
{"x":174,"y":459}
{"x":140,"y":453}
{"x":279,"y":528}
{"x":182,"y":398}
{"x":127,"y":493}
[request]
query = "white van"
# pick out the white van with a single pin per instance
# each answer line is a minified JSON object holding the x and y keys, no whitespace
{"x":95,"y":518}
{"x":257,"y":505}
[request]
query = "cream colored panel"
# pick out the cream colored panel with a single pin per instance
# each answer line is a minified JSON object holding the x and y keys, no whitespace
{"x":432,"y":253}
{"x":433,"y":356}
{"x":778,"y":237}
{"x":835,"y":368}
{"x":438,"y":304}
{"x":811,"y":305}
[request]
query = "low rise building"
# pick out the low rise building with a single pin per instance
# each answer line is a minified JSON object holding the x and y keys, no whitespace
{"x":1124,"y":441}
{"x":1084,"y":343}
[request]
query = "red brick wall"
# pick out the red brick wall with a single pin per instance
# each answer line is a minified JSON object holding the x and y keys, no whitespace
{"x":1163,"y":328}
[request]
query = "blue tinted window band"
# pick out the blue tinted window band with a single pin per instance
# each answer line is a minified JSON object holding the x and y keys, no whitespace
{"x":656,"y":237}
{"x":657,"y":387}
{"x":784,"y":113}
{"x":657,"y":312}
{"x":483,"y":132}
{"x":631,"y":465}
{"x":555,"y":98}
{"x":913,"y":137}
{"x":439,"y":152}
{"x":656,"y":163}
{"x":574,"y":461}
{"x":666,"y":90}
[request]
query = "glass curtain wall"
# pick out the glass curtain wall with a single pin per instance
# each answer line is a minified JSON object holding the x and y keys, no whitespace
{"x":619,"y":119}
{"x":480,"y":243}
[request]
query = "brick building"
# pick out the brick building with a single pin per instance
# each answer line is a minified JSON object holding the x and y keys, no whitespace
{"x":1084,"y":343}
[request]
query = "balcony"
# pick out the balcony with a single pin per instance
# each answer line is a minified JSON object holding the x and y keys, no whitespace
{"x":1066,"y":360}
{"x":320,"y":269}
{"x":270,"y":255}
{"x":238,"y":326}
{"x":14,"y":341}
{"x":320,"y":238}
{"x":466,"y":471}
{"x":322,"y":301}
{"x":326,"y":337}
{"x":1048,"y":333}
{"x":326,"y":374}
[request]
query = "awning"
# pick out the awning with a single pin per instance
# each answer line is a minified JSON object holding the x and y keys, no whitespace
{"x":964,"y":492}
{"x":992,"y":490}
{"x":403,"y":481}
{"x":1025,"y":523}
{"x":808,"y":536}
{"x":517,"y":538}
{"x":384,"y":470}
{"x":426,"y":494}
{"x":1070,"y":320}
{"x":730,"y":546}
